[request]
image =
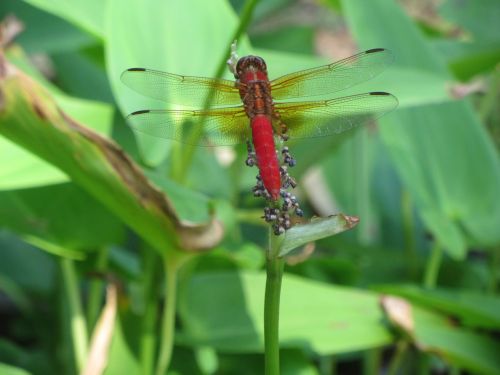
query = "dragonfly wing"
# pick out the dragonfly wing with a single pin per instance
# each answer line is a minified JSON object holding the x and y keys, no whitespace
{"x":217,"y":127}
{"x":334,"y":116}
{"x":184,"y":90}
{"x":334,"y":77}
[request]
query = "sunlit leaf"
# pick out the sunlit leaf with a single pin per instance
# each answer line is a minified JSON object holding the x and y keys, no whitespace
{"x":225,"y":310}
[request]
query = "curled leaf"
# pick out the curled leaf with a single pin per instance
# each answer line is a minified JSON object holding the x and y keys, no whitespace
{"x":315,"y":230}
{"x":30,"y":118}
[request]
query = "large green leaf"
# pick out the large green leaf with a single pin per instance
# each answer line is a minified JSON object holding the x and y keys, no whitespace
{"x":292,"y":362}
{"x":225,"y":310}
{"x":6,"y":369}
{"x":61,"y":214}
{"x":25,"y":170}
{"x":455,"y":190}
{"x":28,"y":268}
{"x":92,"y":82}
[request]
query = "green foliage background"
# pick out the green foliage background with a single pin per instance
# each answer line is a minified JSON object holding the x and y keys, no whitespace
{"x":425,"y":182}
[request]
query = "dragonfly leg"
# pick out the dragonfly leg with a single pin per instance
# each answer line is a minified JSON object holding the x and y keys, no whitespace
{"x":290,"y":203}
{"x":281,"y":128}
{"x":283,"y":131}
{"x":281,"y":220}
{"x":287,"y":157}
{"x":259,"y":190}
{"x":251,"y":158}
{"x":287,"y":180}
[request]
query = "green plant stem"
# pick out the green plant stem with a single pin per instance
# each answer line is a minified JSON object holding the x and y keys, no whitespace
{"x":251,"y":216}
{"x":495,"y":264}
{"x":171,"y":268}
{"x":361,"y":166}
{"x":96,"y":290}
{"x":327,"y":365}
{"x":76,"y":316}
{"x":372,"y":361}
{"x":424,"y":364}
{"x":409,"y":233}
{"x":432,"y":267}
{"x":274,"y":275}
{"x":397,"y":358}
{"x":187,"y":156}
{"x":148,"y":332}
{"x":245,"y":18}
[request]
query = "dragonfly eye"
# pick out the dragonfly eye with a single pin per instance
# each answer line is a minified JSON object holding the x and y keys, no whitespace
{"x":250,"y":63}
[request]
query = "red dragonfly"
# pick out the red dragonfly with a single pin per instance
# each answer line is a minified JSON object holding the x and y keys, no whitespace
{"x":253,"y":98}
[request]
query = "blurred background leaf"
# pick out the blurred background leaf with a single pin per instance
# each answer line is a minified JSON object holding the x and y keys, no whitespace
{"x":438,"y":177}
{"x":331,"y":319}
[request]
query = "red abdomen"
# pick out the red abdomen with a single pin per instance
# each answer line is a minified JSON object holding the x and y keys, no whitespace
{"x":267,"y":161}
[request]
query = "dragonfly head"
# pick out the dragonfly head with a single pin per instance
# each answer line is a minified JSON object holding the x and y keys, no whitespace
{"x":251,"y":64}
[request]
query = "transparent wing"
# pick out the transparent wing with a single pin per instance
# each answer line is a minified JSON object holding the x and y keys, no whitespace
{"x":334,"y":77}
{"x":217,"y":127}
{"x":329,"y":117}
{"x":184,"y":90}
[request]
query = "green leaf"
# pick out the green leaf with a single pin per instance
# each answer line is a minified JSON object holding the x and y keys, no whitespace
{"x":88,"y":14}
{"x":6,"y":369}
{"x":92,"y":82}
{"x":472,"y":308}
{"x":209,"y":176}
{"x":289,"y":39}
{"x":27,"y":267}
{"x":296,"y":362}
{"x":225,"y":310}
{"x":121,"y":357}
{"x":61,"y":214}
{"x":98,"y":115}
{"x":480,"y":19}
{"x":189,"y":204}
{"x":434,"y":333}
{"x":454,"y":191}
{"x":467,"y":59}
{"x":474,"y":352}
{"x":22,"y":169}
{"x":316,"y":229}
{"x":16,"y":295}
{"x":44,"y":32}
